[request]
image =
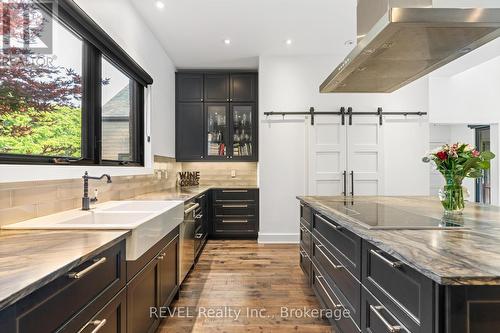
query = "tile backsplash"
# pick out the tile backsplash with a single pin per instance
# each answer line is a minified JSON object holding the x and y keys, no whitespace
{"x":25,"y":200}
{"x":221,"y":173}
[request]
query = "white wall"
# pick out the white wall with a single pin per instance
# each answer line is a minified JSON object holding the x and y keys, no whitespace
{"x":120,"y":20}
{"x":447,"y":134}
{"x":292,"y":84}
{"x":469,"y":97}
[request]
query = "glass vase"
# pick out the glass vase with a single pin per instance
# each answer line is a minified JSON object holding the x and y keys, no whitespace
{"x":452,"y":198}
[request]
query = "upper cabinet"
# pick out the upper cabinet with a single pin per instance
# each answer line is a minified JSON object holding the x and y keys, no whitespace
{"x":243,"y":88}
{"x":190,"y":87}
{"x":216,"y":88}
{"x":216,"y":116}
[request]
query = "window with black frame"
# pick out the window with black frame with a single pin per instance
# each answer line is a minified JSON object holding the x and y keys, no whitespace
{"x":68,"y":93}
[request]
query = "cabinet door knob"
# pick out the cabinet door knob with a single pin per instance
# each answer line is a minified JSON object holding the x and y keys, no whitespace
{"x":201,"y":156}
{"x":201,"y":99}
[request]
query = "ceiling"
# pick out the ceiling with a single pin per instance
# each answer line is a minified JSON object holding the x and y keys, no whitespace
{"x":193,"y":31}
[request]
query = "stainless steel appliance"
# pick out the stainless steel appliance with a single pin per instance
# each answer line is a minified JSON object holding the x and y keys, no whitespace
{"x":187,"y":238}
{"x":201,"y":228}
{"x":403,"y":40}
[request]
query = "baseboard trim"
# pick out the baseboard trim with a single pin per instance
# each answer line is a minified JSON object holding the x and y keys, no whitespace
{"x":275,"y":238}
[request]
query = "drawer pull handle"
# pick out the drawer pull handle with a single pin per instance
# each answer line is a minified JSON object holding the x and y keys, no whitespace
{"x":234,"y":191}
{"x":304,"y":254}
{"x":234,"y":206}
{"x":97,"y":323}
{"x":391,"y":328}
{"x":393,"y":264}
{"x":198,"y":236}
{"x":326,"y":293}
{"x":234,"y":221}
{"x":190,"y":209}
{"x":199,"y":216}
{"x":331,"y":262}
{"x":330,"y":224}
{"x":82,"y":273}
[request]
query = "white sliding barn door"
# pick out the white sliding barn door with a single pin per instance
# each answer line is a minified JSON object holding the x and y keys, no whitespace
{"x":327,"y":156}
{"x":365,"y":161}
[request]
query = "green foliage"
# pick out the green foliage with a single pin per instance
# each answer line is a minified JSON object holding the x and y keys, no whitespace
{"x":43,"y":133}
{"x":458,"y":161}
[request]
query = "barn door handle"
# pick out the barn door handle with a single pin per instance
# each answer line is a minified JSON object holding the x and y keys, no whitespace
{"x":345,"y":183}
{"x":352,"y":183}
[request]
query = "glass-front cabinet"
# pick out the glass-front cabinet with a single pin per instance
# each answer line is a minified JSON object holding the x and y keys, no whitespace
{"x":216,"y":116}
{"x":242,"y":130}
{"x":217,"y":130}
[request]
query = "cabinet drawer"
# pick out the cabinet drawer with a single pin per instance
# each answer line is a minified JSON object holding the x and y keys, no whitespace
{"x":235,"y":224}
{"x":345,"y":245}
{"x":242,"y":209}
{"x":349,"y":287}
{"x":376,"y":318}
{"x":247,"y":195}
{"x":306,"y":215}
{"x":402,"y":290}
{"x":112,"y":318}
{"x":50,"y":307}
{"x":305,"y":239}
{"x":330,"y":300}
{"x":305,"y":264}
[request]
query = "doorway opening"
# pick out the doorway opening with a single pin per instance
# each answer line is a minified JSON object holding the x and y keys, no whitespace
{"x":483,"y":184}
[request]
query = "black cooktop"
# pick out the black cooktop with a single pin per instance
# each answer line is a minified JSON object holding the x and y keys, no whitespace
{"x":381,"y":216}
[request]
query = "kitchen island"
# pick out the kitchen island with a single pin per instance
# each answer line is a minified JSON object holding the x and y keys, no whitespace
{"x":398,"y":266}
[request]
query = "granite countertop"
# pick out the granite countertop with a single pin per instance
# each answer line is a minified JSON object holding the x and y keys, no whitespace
{"x":185,"y":193}
{"x":31,"y":259}
{"x":468,"y":256}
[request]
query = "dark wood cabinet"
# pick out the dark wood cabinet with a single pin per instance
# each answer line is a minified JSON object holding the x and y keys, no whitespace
{"x":105,"y":294}
{"x":142,"y":295}
{"x":189,"y":87}
{"x":220,"y":125}
{"x":190,"y":140}
{"x":169,"y":279}
{"x":404,"y":292}
{"x":70,"y":300}
{"x":217,"y":131}
{"x":217,"y":87}
{"x":235,"y":213}
{"x":154,"y":285}
{"x":111,"y":319}
{"x":243,"y":87}
{"x":388,"y":295}
{"x":377,"y":319}
{"x":343,"y":244}
{"x":202,"y":222}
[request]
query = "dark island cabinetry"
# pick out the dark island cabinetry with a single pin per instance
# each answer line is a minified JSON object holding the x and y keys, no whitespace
{"x":383,"y":294}
{"x":216,"y":116}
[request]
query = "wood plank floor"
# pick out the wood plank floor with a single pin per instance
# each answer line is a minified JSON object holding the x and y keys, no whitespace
{"x":257,"y":280}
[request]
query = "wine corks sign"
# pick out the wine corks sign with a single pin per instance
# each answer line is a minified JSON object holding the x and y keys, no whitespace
{"x":189,"y":178}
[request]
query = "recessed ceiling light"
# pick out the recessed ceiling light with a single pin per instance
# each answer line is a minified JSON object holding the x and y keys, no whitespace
{"x":227,"y":41}
{"x":159,"y":4}
{"x":289,"y":42}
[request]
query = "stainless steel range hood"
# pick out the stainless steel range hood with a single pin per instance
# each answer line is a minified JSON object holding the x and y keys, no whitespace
{"x":403,"y":40}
